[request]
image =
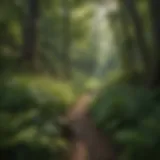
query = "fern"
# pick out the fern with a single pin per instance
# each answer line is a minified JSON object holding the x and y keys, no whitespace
{"x":132,"y":115}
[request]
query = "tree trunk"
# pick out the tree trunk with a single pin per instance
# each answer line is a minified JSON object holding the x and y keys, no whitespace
{"x":126,"y":43}
{"x":155,"y":18}
{"x":66,"y":41}
{"x":30,"y":33}
{"x":138,"y":28}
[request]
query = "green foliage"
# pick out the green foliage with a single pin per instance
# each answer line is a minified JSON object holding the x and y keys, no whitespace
{"x":29,"y":112}
{"x":131,"y":116}
{"x":30,"y":106}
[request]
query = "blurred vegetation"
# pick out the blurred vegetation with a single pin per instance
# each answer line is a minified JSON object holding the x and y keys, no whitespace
{"x":30,"y":110}
{"x":52,"y":51}
{"x":130,"y":116}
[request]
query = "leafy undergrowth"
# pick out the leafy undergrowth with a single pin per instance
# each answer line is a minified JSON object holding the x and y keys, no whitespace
{"x":131,"y":115}
{"x":29,"y":110}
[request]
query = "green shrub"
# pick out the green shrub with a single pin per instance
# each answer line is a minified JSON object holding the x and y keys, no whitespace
{"x":131,"y":115}
{"x":29,"y":110}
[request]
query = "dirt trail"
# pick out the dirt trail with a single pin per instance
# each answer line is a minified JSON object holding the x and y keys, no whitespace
{"x":80,"y":107}
{"x":88,"y":143}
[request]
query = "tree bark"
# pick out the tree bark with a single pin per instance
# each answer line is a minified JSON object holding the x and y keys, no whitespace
{"x":155,"y":19}
{"x":127,"y":42}
{"x":138,"y":28}
{"x":66,"y":41}
{"x":30,"y":33}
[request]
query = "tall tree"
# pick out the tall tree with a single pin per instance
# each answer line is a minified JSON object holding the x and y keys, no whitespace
{"x":139,"y":32}
{"x":155,"y":18}
{"x":126,"y":43}
{"x":66,"y":41}
{"x":30,"y":33}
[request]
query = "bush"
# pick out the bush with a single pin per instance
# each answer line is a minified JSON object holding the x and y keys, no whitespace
{"x":131,"y":116}
{"x":29,"y":111}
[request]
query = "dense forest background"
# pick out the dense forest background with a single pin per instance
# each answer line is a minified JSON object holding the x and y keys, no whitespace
{"x":52,"y":51}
